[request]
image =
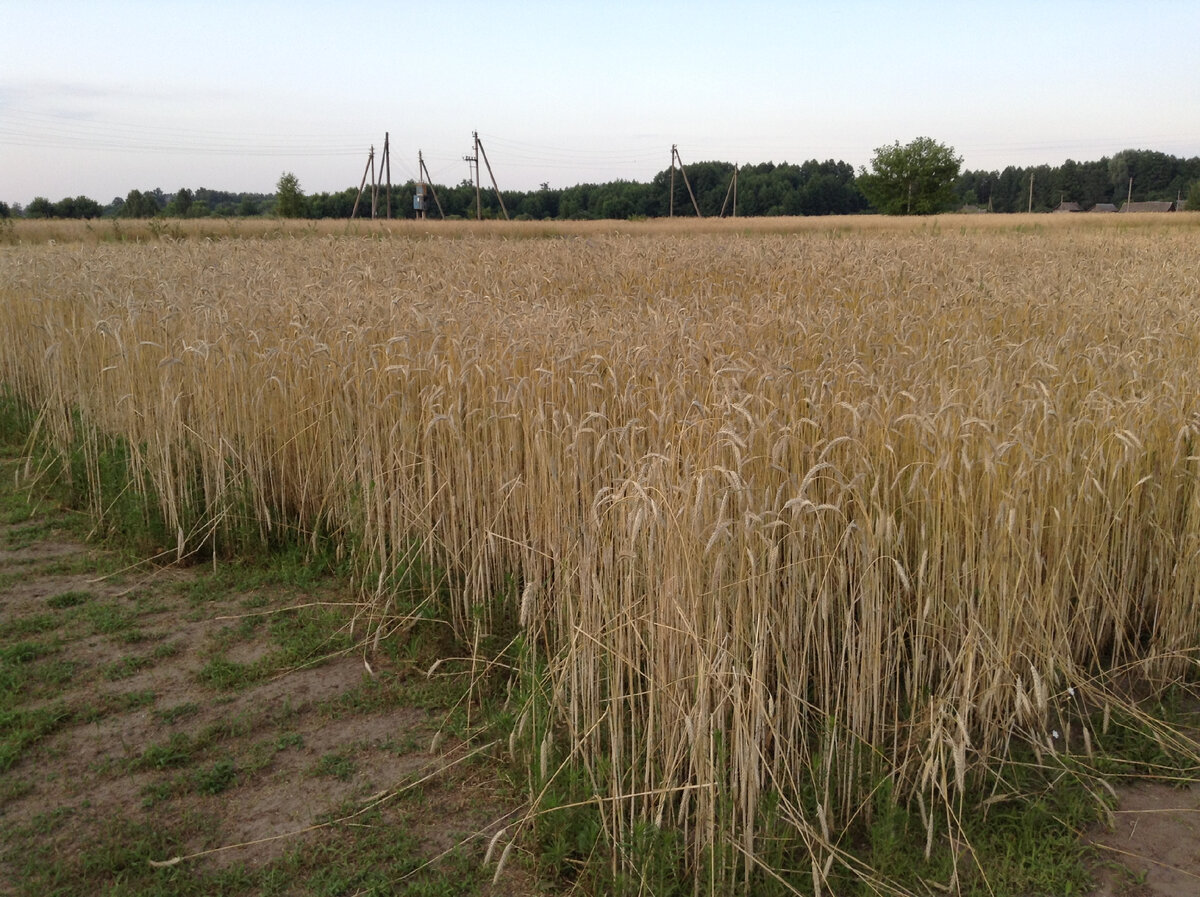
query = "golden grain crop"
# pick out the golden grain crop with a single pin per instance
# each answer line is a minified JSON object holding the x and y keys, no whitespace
{"x":791,"y":513}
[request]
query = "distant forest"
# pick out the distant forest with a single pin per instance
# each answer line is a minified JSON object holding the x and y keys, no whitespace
{"x":812,"y":188}
{"x":1156,"y":176}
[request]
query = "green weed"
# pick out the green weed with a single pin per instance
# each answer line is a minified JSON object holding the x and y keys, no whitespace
{"x":127,"y":666}
{"x":63,"y":600}
{"x":172,"y":715}
{"x":226,"y":675}
{"x":216,"y":778}
{"x":20,"y":537}
{"x":23,"y":728}
{"x":337,"y":765}
{"x":25,"y":626}
{"x":179,"y":750}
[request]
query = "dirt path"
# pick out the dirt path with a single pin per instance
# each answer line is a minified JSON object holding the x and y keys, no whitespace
{"x":1154,"y":846}
{"x":208,"y":714}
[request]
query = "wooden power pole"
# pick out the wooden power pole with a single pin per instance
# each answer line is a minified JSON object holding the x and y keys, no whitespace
{"x":731,"y":191}
{"x":671,"y":197}
{"x":473,"y":162}
{"x":369,"y":169}
{"x":387,"y":161}
{"x":480,"y":151}
{"x":427,"y":182}
{"x":675,"y":157}
{"x":473,"y":159}
{"x":385,"y":171}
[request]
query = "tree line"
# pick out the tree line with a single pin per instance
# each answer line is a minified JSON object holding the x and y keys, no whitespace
{"x":921,"y":177}
{"x":1154,"y":176}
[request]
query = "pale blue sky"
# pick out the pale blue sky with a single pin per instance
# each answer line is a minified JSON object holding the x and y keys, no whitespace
{"x":101,"y":97}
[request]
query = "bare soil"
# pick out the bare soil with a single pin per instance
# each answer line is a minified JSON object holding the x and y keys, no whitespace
{"x":1154,"y":846}
{"x":152,"y":758}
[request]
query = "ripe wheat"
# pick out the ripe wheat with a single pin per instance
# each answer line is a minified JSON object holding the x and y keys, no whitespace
{"x":791,"y":513}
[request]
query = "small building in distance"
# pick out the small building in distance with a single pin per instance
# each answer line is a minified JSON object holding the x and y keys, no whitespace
{"x":1104,"y":207}
{"x":1162,"y":206}
{"x":1065,"y":206}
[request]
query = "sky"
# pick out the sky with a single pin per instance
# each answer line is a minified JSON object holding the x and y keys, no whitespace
{"x":98,"y":98}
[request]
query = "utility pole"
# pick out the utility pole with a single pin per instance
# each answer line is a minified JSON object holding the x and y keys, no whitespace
{"x":473,"y":159}
{"x":671,"y":202}
{"x":385,"y":170}
{"x":480,"y":151}
{"x":473,"y":162}
{"x":1030,"y":191}
{"x":387,"y":160}
{"x":1129,"y":196}
{"x":427,"y":181}
{"x":675,"y":157}
{"x":731,"y":191}
{"x":370,"y":167}
{"x":419,"y":200}
{"x":374,"y":186}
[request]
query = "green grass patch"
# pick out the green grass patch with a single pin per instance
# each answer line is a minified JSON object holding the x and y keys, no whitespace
{"x":226,"y":675}
{"x":28,"y":670}
{"x":53,"y":676}
{"x":73,"y":598}
{"x":25,"y":535}
{"x":278,"y":568}
{"x":19,"y":506}
{"x":308,"y":634}
{"x":112,"y":703}
{"x":14,"y":787}
{"x":23,"y":653}
{"x":218,"y":777}
{"x":179,"y":750}
{"x":16,"y":422}
{"x":338,"y":765}
{"x":167,"y":650}
{"x":177,"y":713}
{"x":25,"y":626}
{"x":22,"y":728}
{"x":129,"y":665}
{"x":88,"y":564}
{"x":109,"y":618}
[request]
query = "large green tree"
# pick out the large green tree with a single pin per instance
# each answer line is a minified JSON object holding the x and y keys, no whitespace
{"x":289,"y":198}
{"x":139,"y":205}
{"x":41,"y":207}
{"x":180,"y":203}
{"x":914,"y":179}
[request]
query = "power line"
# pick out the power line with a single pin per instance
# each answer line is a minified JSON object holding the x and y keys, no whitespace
{"x":82,"y":124}
{"x":48,"y":131}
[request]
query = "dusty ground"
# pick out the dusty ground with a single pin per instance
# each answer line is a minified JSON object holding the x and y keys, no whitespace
{"x":148,"y":714}
{"x":1154,"y":847}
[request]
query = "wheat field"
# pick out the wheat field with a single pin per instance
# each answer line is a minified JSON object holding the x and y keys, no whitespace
{"x":780,"y":510}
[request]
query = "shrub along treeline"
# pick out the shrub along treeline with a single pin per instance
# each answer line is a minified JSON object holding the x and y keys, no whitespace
{"x":813,"y":188}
